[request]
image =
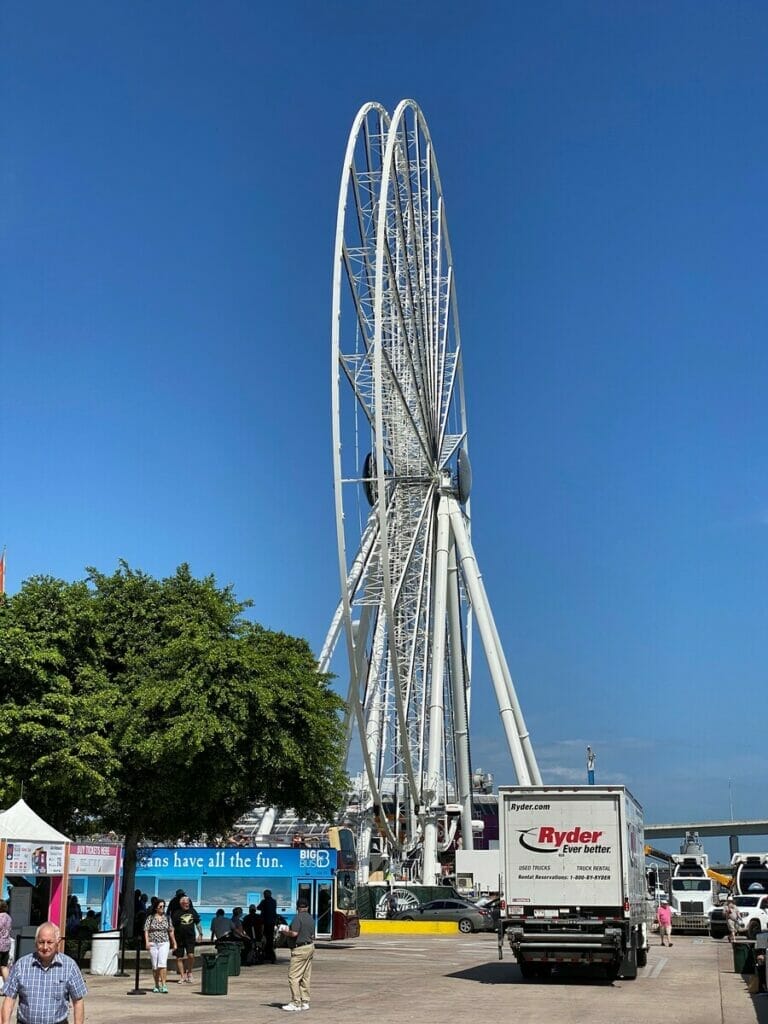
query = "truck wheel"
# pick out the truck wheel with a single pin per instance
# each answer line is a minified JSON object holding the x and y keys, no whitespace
{"x":612,"y":971}
{"x":527,"y":970}
{"x":753,"y":929}
{"x":406,"y":919}
{"x":465,"y":926}
{"x":642,"y":957}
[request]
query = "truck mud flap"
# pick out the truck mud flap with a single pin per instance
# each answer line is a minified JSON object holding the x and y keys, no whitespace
{"x":628,"y":966}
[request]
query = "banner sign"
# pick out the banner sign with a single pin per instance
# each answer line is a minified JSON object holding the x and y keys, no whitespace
{"x":92,"y":860}
{"x":193,"y":861}
{"x":34,"y":858}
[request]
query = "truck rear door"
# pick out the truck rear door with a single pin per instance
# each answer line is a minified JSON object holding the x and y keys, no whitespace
{"x":563,"y":850}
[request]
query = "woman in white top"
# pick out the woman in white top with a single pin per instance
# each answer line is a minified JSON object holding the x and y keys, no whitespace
{"x":158,"y":938}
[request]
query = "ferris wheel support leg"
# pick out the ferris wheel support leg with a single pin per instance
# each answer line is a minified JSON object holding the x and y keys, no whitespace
{"x":354,"y":579}
{"x":525,"y":736}
{"x":458,"y":682}
{"x":364,"y":851}
{"x":484,"y":620}
{"x":431,"y":865}
{"x":359,"y":632}
{"x":330,"y":640}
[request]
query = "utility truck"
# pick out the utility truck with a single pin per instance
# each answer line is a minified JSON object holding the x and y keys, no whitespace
{"x":750,"y":889}
{"x":573,"y":879}
{"x":750,"y":872}
{"x":693,"y":887}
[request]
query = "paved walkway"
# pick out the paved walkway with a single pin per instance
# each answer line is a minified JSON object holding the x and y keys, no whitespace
{"x":435,"y":979}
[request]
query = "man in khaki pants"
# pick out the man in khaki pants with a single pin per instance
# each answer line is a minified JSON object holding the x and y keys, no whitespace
{"x":302,"y":931}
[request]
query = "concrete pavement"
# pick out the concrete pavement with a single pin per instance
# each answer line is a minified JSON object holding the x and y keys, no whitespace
{"x":433,"y":979}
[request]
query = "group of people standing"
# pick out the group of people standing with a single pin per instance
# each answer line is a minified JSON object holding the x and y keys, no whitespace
{"x":255,"y":932}
{"x":46,"y":982}
{"x":177,"y":927}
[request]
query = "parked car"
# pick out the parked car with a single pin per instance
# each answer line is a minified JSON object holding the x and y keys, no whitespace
{"x":469,"y":917}
{"x":491,"y":903}
{"x":753,"y":911}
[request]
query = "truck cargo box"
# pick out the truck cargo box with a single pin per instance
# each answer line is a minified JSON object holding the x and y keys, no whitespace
{"x":573,"y":878}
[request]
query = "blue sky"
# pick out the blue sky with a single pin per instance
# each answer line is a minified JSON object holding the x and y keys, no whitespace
{"x":167,"y":208}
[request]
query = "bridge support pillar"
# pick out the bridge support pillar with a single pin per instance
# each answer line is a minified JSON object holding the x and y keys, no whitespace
{"x":733,"y":844}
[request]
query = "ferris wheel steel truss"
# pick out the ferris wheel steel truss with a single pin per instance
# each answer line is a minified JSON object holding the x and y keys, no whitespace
{"x":410,"y":585}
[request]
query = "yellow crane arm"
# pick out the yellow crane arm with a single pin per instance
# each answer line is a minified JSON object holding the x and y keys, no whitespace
{"x":658,"y":854}
{"x":724,"y":880}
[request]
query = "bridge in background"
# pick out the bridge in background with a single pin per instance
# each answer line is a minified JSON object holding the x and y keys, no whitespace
{"x":731,"y":829}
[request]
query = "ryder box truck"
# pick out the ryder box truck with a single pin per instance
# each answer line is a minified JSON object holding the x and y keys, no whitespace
{"x":573,"y":878}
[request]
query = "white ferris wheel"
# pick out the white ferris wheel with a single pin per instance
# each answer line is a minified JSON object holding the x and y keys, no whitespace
{"x":410,"y":585}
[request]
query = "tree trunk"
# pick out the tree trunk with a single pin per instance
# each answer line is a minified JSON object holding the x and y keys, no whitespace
{"x":130,"y":847}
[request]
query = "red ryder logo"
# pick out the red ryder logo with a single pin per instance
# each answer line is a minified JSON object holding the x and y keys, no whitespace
{"x":548,"y":839}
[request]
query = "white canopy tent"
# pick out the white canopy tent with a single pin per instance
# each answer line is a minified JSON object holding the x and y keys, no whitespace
{"x":21,"y":823}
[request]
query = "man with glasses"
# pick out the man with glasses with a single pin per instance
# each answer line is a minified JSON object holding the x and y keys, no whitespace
{"x":45,"y":982}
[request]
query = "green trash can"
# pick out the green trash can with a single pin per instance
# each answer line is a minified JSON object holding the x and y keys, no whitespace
{"x":743,"y":958}
{"x":215,"y":974}
{"x":233,"y":950}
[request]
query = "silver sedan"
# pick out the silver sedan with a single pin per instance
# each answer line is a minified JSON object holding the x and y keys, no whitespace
{"x":469,"y":917}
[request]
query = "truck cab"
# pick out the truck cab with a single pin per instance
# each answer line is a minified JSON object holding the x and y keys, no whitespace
{"x":693,"y":891}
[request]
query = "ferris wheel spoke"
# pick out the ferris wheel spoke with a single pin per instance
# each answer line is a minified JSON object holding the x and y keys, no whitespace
{"x":364,"y":320}
{"x":363,"y":399}
{"x":423,"y":516}
{"x":424,"y":281}
{"x":415,"y":604}
{"x":449,"y":391}
{"x":437,"y":285}
{"x":367,"y":237}
{"x":408,"y":232}
{"x":430,"y":281}
{"x":417,"y":379}
{"x":373,"y":171}
{"x":407,"y":236}
{"x":404,"y":406}
{"x":443,"y":352}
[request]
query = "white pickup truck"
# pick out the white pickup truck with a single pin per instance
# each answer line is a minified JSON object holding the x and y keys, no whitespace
{"x":753,"y":910}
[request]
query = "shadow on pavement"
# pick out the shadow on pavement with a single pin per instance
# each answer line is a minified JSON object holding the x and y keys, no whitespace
{"x":490,"y":974}
{"x":509,"y":974}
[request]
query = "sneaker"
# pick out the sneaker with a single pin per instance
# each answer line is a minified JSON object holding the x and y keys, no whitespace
{"x":164,"y":989}
{"x":305,"y":1006}
{"x":292,"y":1007}
{"x":155,"y":989}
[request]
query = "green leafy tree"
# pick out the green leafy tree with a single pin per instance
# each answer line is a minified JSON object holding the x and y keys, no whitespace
{"x":177,"y":714}
{"x":55,"y":725}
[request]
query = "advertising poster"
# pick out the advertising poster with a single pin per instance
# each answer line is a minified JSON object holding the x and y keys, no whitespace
{"x":34,"y":858}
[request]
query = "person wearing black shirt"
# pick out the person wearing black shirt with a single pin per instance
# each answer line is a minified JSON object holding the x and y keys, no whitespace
{"x":252,"y":928}
{"x":186,"y":923}
{"x":268,"y":910}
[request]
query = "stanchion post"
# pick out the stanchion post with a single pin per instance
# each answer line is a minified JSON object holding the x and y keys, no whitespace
{"x":122,"y":973}
{"x":136,"y":990}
